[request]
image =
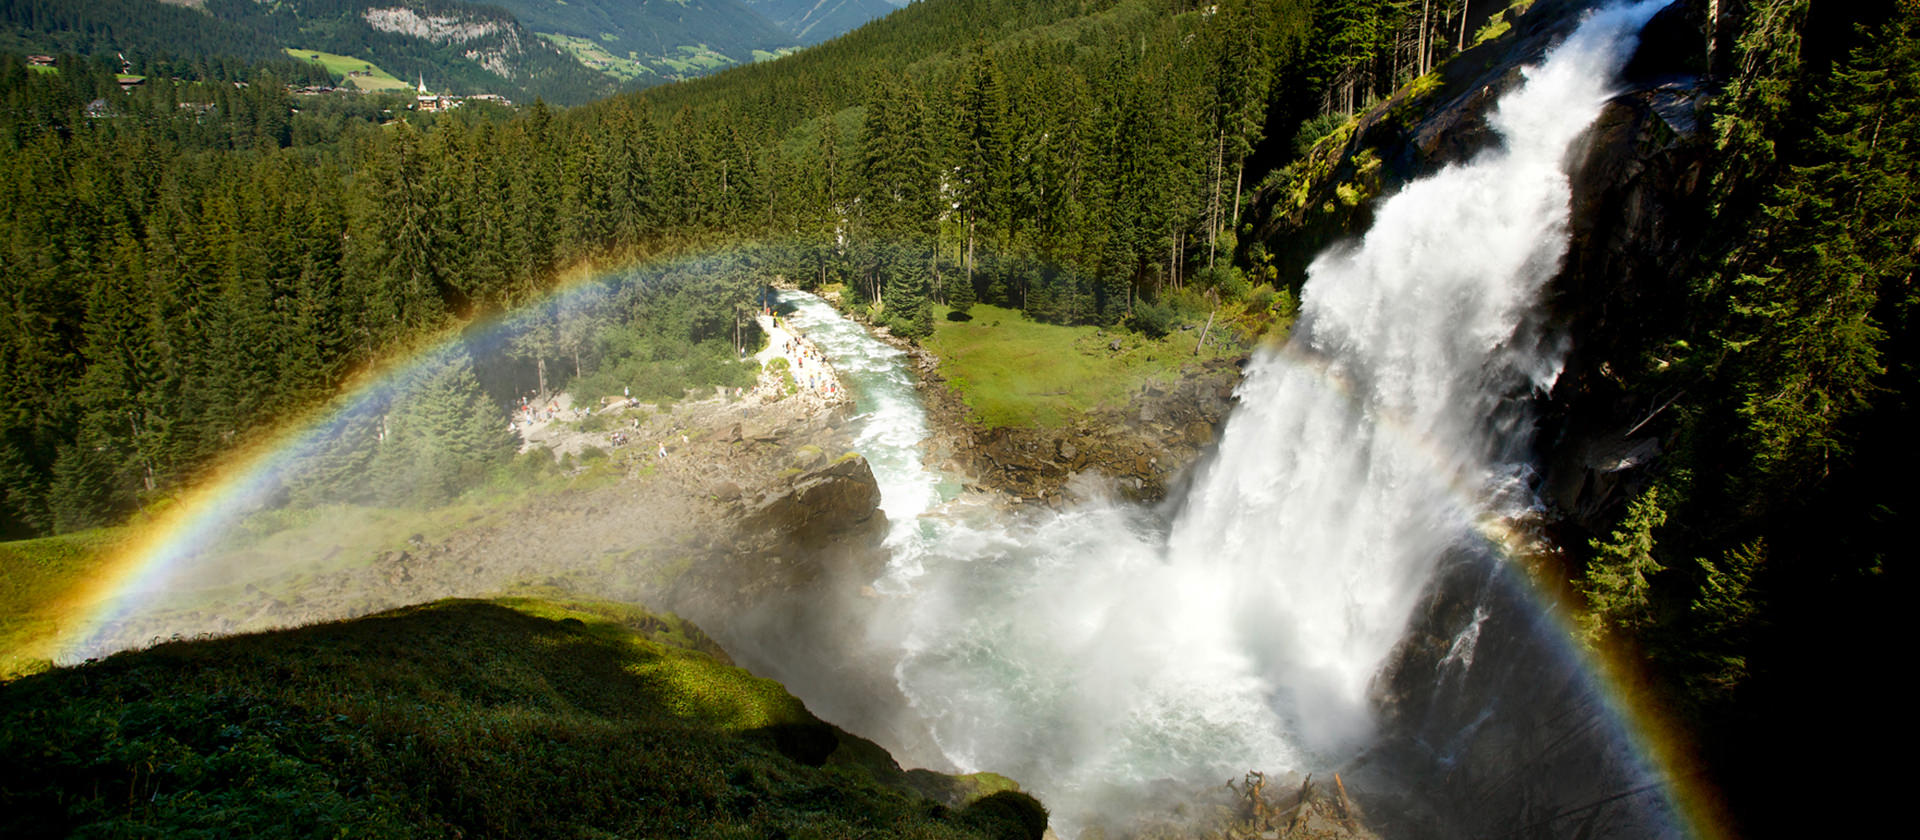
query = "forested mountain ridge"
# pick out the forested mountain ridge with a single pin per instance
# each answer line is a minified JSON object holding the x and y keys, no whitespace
{"x":454,"y":46}
{"x":644,"y":42}
{"x":567,"y":53}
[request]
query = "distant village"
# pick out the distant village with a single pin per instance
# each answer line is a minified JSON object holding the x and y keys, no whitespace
{"x":422,"y":101}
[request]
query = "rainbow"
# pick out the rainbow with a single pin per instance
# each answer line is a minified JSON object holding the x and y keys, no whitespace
{"x":1662,"y":750}
{"x":171,"y":539}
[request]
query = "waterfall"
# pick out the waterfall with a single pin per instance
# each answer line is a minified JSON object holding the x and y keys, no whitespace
{"x":1097,"y":652}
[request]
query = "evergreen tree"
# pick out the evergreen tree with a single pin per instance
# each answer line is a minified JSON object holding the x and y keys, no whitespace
{"x":442,"y":436}
{"x":960,"y":294}
{"x":1618,"y":581}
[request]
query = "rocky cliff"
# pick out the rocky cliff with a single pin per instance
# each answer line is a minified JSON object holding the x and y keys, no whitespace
{"x":1521,"y":743}
{"x":1637,"y":180}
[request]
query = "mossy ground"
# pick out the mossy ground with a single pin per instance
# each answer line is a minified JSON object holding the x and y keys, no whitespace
{"x":1012,"y":371}
{"x":459,"y":718}
{"x":35,"y":578}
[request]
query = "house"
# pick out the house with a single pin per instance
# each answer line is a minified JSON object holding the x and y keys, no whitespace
{"x":40,"y":61}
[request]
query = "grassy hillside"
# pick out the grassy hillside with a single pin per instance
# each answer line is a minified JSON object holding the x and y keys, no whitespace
{"x":1013,"y":371}
{"x":345,"y":66}
{"x":460,"y":718}
{"x":33,"y":575}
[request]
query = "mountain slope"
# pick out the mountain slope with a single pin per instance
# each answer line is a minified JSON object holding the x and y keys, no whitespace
{"x":813,"y":21}
{"x":458,"y":718}
{"x":455,"y":47}
{"x":651,"y":40}
{"x":138,"y":27}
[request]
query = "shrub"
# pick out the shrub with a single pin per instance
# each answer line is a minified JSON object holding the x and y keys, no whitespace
{"x":533,"y":464}
{"x":1226,"y":280}
{"x":1009,"y":814}
{"x":1152,"y":318}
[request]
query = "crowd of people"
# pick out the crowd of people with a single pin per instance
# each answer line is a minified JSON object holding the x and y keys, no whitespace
{"x":810,"y":369}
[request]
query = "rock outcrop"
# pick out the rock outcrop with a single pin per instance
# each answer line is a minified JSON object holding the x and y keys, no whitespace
{"x":1144,"y":451}
{"x":1638,"y":196}
{"x":828,"y":516}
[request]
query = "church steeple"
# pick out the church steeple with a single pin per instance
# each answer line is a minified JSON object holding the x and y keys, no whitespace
{"x":423,"y":84}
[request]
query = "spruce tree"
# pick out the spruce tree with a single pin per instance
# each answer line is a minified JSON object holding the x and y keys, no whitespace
{"x":1618,"y":580}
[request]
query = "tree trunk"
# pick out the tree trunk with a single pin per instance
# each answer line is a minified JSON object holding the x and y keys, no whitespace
{"x":146,"y":463}
{"x":969,"y":250}
{"x":1173,"y":260}
{"x":1239,"y":173}
{"x":1213,"y":206}
{"x":540,"y":364}
{"x":1462,"y":46}
{"x":1713,"y":32}
{"x":1421,"y":65}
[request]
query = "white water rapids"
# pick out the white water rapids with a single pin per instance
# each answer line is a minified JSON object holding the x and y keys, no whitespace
{"x":1099,"y":650}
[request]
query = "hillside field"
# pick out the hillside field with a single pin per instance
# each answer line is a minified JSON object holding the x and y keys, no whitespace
{"x":376,"y":80}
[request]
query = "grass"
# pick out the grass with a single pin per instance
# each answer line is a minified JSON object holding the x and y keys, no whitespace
{"x":35,"y":576}
{"x":501,"y":718}
{"x":342,"y":65}
{"x":1015,"y":372}
{"x":1500,"y":22}
{"x":593,"y":54}
{"x":692,"y":58}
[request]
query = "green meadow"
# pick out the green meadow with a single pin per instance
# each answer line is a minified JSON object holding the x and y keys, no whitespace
{"x":1013,"y":371}
{"x":344,"y":65}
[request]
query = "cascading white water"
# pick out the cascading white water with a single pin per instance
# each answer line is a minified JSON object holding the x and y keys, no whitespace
{"x":1091,"y":651}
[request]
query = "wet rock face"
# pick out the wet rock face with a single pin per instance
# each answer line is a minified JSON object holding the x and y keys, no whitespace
{"x":827,"y":505}
{"x":1638,"y":207}
{"x":1498,"y":726}
{"x":1674,"y":43}
{"x":1492,"y":727}
{"x":1638,"y":179}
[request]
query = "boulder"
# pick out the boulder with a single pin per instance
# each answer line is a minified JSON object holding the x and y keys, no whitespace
{"x":835,"y":503}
